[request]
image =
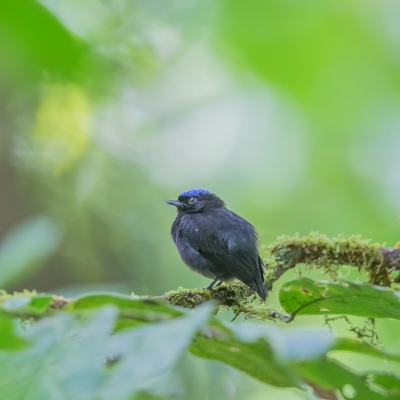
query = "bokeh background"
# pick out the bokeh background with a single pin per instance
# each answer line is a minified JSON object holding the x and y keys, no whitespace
{"x":288,"y":110}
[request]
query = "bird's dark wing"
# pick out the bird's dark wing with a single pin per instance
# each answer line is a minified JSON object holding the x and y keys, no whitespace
{"x":228,"y":241}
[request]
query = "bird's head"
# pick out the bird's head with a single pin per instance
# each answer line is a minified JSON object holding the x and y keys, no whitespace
{"x":196,"y":200}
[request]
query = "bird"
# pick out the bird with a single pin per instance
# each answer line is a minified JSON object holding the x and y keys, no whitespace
{"x":216,"y":242}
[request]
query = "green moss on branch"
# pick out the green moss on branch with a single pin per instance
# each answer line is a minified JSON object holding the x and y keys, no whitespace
{"x":316,"y":250}
{"x":329,"y":253}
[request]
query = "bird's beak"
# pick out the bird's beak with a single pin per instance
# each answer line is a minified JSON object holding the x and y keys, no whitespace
{"x":175,"y":203}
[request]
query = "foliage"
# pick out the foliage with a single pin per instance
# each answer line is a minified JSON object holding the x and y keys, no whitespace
{"x":106,"y":346}
{"x":307,"y":297}
{"x":125,"y":346}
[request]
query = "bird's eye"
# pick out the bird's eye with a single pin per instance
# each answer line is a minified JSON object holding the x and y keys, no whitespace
{"x":192,"y":200}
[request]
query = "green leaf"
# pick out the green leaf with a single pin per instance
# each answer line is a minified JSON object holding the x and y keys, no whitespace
{"x":26,"y":247}
{"x":284,"y":357}
{"x":287,"y":344}
{"x":386,"y":383}
{"x":124,"y":323}
{"x":303,"y":344}
{"x":332,"y":375}
{"x":256,"y":358}
{"x":150,"y":351}
{"x":66,"y":359}
{"x":23,"y":304}
{"x":359,"y":347}
{"x":40,"y":303}
{"x":63,"y":361}
{"x":141,"y":309}
{"x":8,"y":339}
{"x":307,"y":297}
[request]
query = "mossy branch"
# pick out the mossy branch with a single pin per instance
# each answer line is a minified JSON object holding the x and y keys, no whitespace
{"x":319,"y":251}
{"x":316,"y":250}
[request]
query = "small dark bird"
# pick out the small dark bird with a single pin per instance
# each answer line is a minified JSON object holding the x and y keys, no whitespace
{"x":216,"y":242}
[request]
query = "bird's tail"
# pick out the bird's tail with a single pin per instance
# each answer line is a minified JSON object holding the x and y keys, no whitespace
{"x":258,"y":286}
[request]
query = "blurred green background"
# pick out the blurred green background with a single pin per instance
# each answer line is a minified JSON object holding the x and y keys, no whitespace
{"x":288,"y":110}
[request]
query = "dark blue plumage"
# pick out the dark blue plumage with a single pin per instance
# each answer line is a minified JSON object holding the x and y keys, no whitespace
{"x":216,"y":242}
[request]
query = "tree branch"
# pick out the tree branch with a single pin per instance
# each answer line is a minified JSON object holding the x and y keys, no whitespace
{"x":315,"y":250}
{"x":319,"y":251}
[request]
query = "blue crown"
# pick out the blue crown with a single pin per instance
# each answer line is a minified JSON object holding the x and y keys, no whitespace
{"x":194,"y":193}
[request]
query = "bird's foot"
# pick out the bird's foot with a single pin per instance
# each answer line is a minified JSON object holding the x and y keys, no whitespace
{"x":211,"y":285}
{"x":284,"y":318}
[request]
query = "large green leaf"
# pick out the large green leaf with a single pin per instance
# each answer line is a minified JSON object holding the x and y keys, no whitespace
{"x":67,"y":354}
{"x":287,"y":344}
{"x":149,"y":351}
{"x":63,"y":362}
{"x":304,"y":353}
{"x":296,"y":344}
{"x":255,"y":357}
{"x":307,"y":297}
{"x":26,"y":247}
{"x":332,"y":375}
{"x":287,"y":357}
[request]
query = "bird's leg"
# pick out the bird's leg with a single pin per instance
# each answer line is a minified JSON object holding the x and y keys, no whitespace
{"x":210,"y":286}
